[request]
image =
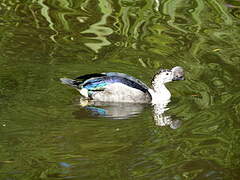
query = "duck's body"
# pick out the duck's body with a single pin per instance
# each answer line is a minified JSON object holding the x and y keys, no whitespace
{"x":118,"y":92}
{"x":119,"y":87}
{"x":110,"y":87}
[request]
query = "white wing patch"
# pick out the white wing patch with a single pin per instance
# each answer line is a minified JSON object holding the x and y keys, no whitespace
{"x":84,"y":92}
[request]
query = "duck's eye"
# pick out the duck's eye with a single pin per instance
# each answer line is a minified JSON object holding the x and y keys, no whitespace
{"x":166,"y":73}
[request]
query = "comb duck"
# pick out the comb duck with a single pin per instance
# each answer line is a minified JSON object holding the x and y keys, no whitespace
{"x":119,"y":87}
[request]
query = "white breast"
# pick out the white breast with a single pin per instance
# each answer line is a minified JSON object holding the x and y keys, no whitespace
{"x":162,"y":97}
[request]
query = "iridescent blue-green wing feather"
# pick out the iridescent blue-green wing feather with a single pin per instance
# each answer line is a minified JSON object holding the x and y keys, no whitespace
{"x":96,"y":84}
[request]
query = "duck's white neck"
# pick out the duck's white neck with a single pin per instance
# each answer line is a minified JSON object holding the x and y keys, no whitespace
{"x":159,"y":93}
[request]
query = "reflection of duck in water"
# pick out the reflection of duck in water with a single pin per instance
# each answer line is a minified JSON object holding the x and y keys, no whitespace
{"x":111,"y":109}
{"x":115,"y":110}
{"x":164,"y":120}
{"x":119,"y":87}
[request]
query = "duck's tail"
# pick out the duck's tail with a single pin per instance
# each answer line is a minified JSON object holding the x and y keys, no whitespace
{"x":70,"y":82}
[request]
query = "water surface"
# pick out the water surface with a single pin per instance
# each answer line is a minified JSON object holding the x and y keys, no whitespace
{"x":45,"y":134}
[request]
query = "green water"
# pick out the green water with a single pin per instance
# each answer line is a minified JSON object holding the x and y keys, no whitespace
{"x":45,"y":134}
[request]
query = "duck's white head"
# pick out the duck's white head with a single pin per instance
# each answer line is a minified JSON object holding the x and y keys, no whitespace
{"x":167,"y":75}
{"x":163,"y":76}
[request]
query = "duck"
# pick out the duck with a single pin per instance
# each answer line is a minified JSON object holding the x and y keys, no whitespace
{"x":120,"y":87}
